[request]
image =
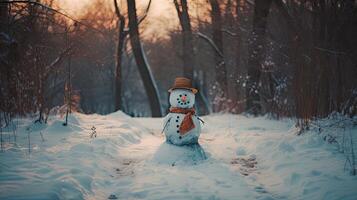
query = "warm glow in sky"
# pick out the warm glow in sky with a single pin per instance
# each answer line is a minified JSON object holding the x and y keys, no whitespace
{"x":161,"y":18}
{"x":73,"y":7}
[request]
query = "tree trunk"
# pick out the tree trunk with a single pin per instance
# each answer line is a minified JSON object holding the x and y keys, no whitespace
{"x":256,"y":54}
{"x":119,"y":57}
{"x":238,"y":106}
{"x":141,"y":62}
{"x":188,"y":52}
{"x":4,"y":9}
{"x":220,"y":67}
{"x":187,"y":40}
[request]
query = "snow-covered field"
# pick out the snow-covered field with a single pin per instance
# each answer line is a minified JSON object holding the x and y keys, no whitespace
{"x":247,"y":158}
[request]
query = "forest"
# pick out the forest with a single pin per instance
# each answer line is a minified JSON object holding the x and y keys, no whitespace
{"x":262,"y":60}
{"x":285,"y":59}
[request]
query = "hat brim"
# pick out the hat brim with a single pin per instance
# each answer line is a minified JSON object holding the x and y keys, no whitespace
{"x":194,"y":90}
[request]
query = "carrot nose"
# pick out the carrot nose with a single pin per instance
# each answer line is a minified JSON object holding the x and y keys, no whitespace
{"x":183,"y":98}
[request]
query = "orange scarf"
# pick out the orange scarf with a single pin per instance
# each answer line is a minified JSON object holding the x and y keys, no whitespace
{"x":187,"y":122}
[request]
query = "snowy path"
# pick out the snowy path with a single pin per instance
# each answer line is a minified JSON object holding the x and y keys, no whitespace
{"x":211,"y":179}
{"x":248,"y":158}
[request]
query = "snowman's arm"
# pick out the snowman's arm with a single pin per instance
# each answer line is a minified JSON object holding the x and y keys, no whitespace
{"x":201,"y":120}
{"x":167,"y":119}
{"x":166,"y":123}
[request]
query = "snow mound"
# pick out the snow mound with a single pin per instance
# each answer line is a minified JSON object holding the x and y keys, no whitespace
{"x":52,"y":161}
{"x":179,"y":155}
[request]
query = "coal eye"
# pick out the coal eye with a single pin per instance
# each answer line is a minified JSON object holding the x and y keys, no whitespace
{"x":180,"y":95}
{"x":186,"y":95}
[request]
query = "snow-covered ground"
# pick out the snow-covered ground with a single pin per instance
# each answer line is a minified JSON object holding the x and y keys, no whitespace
{"x":247,"y":158}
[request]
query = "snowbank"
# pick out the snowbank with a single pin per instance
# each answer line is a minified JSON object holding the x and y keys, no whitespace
{"x":239,"y":158}
{"x":67,"y":164}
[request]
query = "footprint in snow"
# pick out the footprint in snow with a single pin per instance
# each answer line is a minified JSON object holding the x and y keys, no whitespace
{"x":260,"y":189}
{"x":246,"y":165}
{"x":112,"y":196}
{"x":256,"y":128}
{"x":125,"y":168}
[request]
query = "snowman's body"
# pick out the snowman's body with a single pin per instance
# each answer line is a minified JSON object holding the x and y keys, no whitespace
{"x":172,"y":133}
{"x":183,"y":99}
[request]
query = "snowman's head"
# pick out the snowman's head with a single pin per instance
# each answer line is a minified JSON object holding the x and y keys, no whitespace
{"x":182,"y":98}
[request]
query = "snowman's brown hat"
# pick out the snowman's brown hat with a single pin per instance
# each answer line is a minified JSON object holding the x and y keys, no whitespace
{"x":183,"y":83}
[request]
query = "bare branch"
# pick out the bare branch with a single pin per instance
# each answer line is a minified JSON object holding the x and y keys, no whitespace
{"x":117,"y":10}
{"x":229,"y":32}
{"x":177,"y":6}
{"x":288,"y":17}
{"x":210,"y":41}
{"x":58,"y":59}
{"x":329,"y":50}
{"x":53,"y":10}
{"x":251,"y":2}
{"x":146,"y":13}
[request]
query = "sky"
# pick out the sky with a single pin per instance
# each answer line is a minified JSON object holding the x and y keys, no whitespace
{"x":161,"y":18}
{"x":74,"y":7}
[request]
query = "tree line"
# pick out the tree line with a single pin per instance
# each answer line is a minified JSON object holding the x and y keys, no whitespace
{"x":293,"y":58}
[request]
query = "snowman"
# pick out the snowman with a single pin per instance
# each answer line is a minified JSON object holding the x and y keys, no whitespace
{"x":182,"y":126}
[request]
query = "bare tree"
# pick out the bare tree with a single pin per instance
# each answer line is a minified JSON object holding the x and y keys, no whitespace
{"x":256,"y":54}
{"x":119,"y":56}
{"x":188,"y":50}
{"x":187,"y":38}
{"x":220,"y":66}
{"x":141,"y":61}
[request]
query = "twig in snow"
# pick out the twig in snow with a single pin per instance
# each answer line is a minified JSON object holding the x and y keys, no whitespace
{"x":93,"y":133}
{"x":43,"y":139}
{"x":353,"y":159}
{"x":14,"y":132}
{"x":28,"y":138}
{"x":1,"y":139}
